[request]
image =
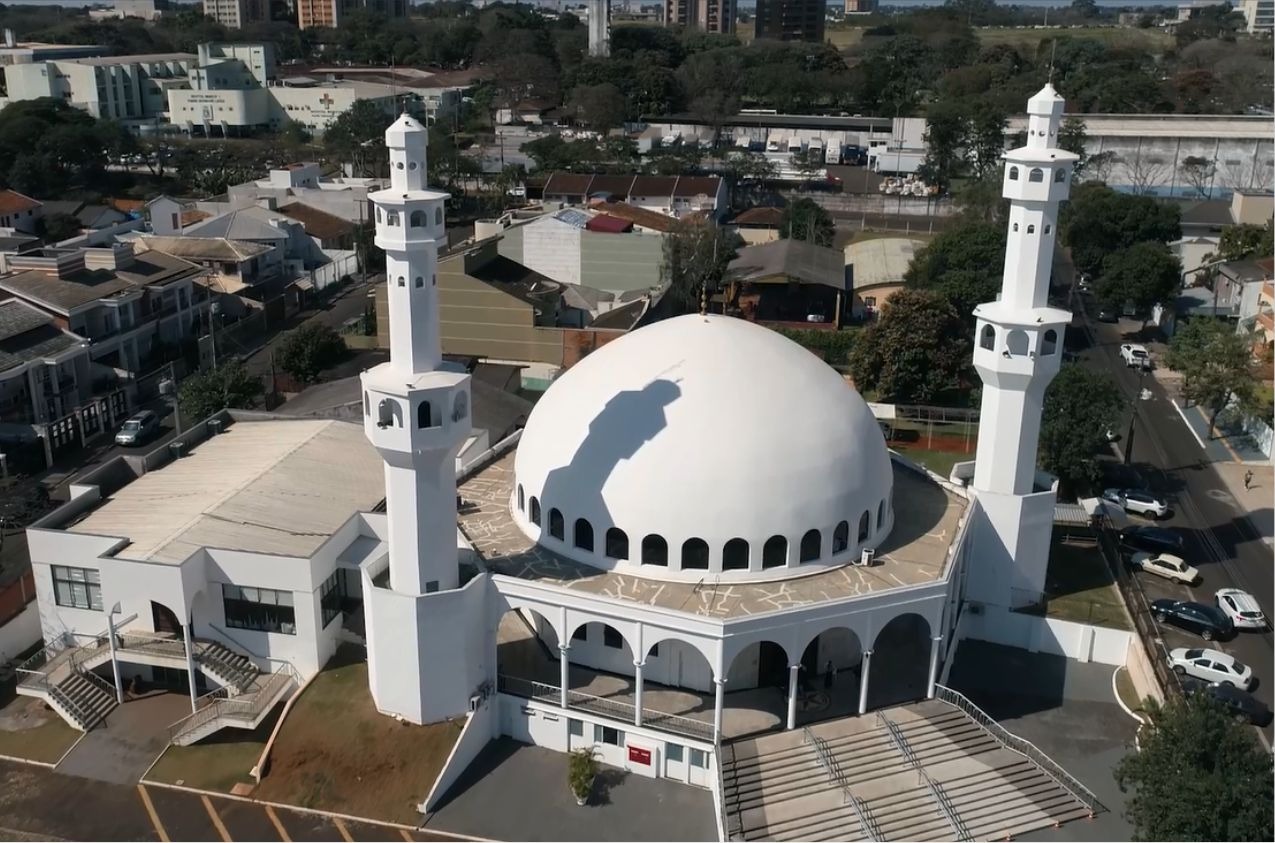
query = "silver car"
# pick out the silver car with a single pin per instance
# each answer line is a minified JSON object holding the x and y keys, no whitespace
{"x":138,"y":430}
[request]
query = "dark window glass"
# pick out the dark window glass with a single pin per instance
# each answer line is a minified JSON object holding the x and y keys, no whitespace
{"x":260,"y":609}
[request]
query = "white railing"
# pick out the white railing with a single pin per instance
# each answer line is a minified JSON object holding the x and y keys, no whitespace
{"x":245,"y":709}
{"x":1023,"y":747}
{"x":616,"y":709}
{"x":940,"y":799}
{"x":832,"y":769}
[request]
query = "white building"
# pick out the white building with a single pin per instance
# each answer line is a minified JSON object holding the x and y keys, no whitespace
{"x":599,"y":22}
{"x":131,"y":89}
{"x":235,"y":14}
{"x":344,"y":197}
{"x":696,"y":515}
{"x":13,"y":51}
{"x":149,"y":10}
{"x":1259,"y":15}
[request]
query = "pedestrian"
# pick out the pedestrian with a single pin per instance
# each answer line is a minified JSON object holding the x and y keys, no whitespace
{"x":1248,"y":480}
{"x":828,"y":673}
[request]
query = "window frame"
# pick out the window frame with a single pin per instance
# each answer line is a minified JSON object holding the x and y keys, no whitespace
{"x":90,"y":580}
{"x":279,"y":626}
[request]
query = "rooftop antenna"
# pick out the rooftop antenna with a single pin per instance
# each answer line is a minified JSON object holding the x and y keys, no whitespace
{"x":1052,"y":50}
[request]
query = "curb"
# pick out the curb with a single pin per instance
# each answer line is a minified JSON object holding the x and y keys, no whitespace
{"x":31,"y":761}
{"x":1120,"y":702}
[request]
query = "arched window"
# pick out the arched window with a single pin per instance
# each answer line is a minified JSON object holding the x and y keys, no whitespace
{"x":988,"y":338}
{"x":535,"y":510}
{"x":389,"y":413}
{"x":1060,"y":176}
{"x":391,"y":217}
{"x":424,"y":415}
{"x":1013,"y":174}
{"x":438,"y":215}
{"x":1031,"y":229}
{"x":417,"y":219}
{"x":617,"y":544}
{"x":556,"y":526}
{"x":1017,"y":341}
{"x":694,"y":554}
{"x":584,"y":535}
{"x":1036,"y":174}
{"x":863,"y":527}
{"x":880,"y":515}
{"x":654,"y":550}
{"x":402,"y":282}
{"x":1049,"y":342}
{"x":522,"y":501}
{"x":420,"y":281}
{"x":735,"y":555}
{"x":774,"y":554}
{"x":841,"y":537}
{"x":1016,"y":226}
{"x":1048,"y":228}
{"x":811,"y":546}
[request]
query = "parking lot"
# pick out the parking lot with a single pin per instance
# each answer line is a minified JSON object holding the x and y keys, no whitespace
{"x":37,"y":803}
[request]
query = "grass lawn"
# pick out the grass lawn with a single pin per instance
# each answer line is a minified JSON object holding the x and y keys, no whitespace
{"x":29,"y":730}
{"x":1078,"y":586}
{"x":940,"y":462}
{"x":1147,"y":40}
{"x":218,"y":762}
{"x":337,"y":752}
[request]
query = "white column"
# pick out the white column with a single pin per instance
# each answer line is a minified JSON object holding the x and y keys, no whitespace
{"x":864,"y":670}
{"x":935,"y":644}
{"x":719,"y":702}
{"x":115,"y":662}
{"x":637,"y":693}
{"x":190,"y":663}
{"x":564,"y":671}
{"x":793,"y":671}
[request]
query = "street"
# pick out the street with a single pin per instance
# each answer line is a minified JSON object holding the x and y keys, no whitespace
{"x":1220,"y":541}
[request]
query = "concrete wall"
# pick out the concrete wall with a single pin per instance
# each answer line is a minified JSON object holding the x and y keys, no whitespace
{"x":481,"y":726}
{"x":621,"y":263}
{"x":552,"y":248}
{"x":1037,"y":634}
{"x":21,"y":632}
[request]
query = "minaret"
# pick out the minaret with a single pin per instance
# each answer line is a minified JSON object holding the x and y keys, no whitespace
{"x":1018,"y":347}
{"x":416,"y":416}
{"x":599,"y":27}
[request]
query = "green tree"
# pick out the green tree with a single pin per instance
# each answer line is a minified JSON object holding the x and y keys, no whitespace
{"x":229,"y":385}
{"x":1072,"y":136}
{"x":1198,"y":172}
{"x":1246,"y":241}
{"x":915,"y":350}
{"x":1085,"y":8}
{"x":944,"y":137}
{"x":1143,"y":275}
{"x":357,"y":137}
{"x":58,"y":226}
{"x":964,"y":265}
{"x":309,"y":349}
{"x":1215,"y":363}
{"x":1195,"y":754}
{"x":696,"y":255}
{"x":1098,"y":220}
{"x":1081,"y":405}
{"x":805,"y":219}
{"x":600,"y":107}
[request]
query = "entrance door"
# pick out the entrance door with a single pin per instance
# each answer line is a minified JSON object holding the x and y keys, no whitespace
{"x":165,"y":619}
{"x":772,"y":666}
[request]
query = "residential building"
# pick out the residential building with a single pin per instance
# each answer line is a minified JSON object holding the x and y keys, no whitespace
{"x":790,"y":20}
{"x":757,"y":225}
{"x":876,"y":269}
{"x":252,"y":271}
{"x":344,"y":197}
{"x":90,"y":215}
{"x":330,"y":13}
{"x":147,"y":10}
{"x":130,"y":89}
{"x":675,"y":196}
{"x":19,"y":212}
{"x":44,"y":369}
{"x":787,"y":281}
{"x":13,"y":52}
{"x":599,"y":23}
{"x":236,"y":14}
{"x":861,"y":7}
{"x":126,"y":302}
{"x":328,"y":230}
{"x":716,"y":16}
{"x":14,"y":243}
{"x":1259,"y":15}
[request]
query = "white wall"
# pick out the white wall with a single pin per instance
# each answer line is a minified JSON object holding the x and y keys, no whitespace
{"x":21,"y":632}
{"x":481,"y":726}
{"x":552,"y":248}
{"x":1036,"y":634}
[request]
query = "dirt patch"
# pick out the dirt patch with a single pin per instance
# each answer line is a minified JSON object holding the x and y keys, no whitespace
{"x":337,"y":752}
{"x":30,"y":729}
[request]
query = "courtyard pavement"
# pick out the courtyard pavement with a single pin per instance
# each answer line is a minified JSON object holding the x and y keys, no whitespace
{"x":135,"y":734}
{"x":1067,"y":710}
{"x":514,"y":791}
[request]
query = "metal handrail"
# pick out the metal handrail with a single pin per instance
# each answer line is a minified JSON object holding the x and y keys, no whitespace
{"x":101,"y":683}
{"x":218,"y":704}
{"x":953,"y":818}
{"x":905,"y":749}
{"x":662,"y":720}
{"x":1022,"y":746}
{"x":64,"y":699}
{"x":832,"y":768}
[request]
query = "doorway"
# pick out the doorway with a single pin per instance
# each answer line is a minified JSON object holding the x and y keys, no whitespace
{"x":165,"y":620}
{"x":772,"y":666}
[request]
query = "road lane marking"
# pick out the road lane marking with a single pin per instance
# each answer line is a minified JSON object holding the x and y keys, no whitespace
{"x":406,"y":836}
{"x":278,"y":826}
{"x":216,"y":820}
{"x":345,"y":832}
{"x":150,"y":809}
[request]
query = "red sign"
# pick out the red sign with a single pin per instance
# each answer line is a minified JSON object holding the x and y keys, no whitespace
{"x":639,"y":755}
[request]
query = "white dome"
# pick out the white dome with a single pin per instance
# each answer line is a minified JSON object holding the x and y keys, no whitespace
{"x":709,"y":428}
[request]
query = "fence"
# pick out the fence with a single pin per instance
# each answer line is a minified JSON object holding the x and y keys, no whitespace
{"x":15,"y":596}
{"x":951,"y":429}
{"x":615,"y":709}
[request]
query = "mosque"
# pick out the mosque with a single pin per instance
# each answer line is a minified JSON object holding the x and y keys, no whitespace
{"x":699,"y":534}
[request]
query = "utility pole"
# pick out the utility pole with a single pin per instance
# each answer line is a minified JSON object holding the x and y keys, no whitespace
{"x":1133,"y":415}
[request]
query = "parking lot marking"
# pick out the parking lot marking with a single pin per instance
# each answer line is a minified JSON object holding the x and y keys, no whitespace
{"x":345,"y":832}
{"x":278,"y":826}
{"x":150,"y":809}
{"x":216,"y":820}
{"x":406,"y":836}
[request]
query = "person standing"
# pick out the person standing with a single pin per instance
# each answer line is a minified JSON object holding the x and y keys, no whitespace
{"x":829,"y":673}
{"x":1248,"y":480}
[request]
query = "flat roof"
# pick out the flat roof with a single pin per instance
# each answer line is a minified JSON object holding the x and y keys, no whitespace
{"x":926,"y":517}
{"x":276,"y":487}
{"x":883,"y":260}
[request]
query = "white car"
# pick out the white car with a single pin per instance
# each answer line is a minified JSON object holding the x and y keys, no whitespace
{"x":1212,"y":666}
{"x":1165,"y":565}
{"x":1241,"y":607}
{"x":1137,"y":501}
{"x":1135,"y":356}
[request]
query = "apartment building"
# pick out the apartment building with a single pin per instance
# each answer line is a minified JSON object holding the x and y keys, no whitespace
{"x":1259,"y":15}
{"x":329,"y":13}
{"x":791,"y":20}
{"x":235,"y":14}
{"x":44,"y":369}
{"x":708,"y":15}
{"x":130,"y":89}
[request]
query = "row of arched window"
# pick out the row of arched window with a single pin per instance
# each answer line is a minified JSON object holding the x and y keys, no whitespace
{"x":1016,"y":341}
{"x":420,"y":281}
{"x":1037,"y":174}
{"x":1031,"y":229}
{"x":389,"y":414}
{"x":694,"y":552}
{"x":417,"y":219}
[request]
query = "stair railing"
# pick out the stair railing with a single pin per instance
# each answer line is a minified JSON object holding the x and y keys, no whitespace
{"x":936,"y":793}
{"x":218,"y":705}
{"x":1023,"y":747}
{"x":832,"y":769}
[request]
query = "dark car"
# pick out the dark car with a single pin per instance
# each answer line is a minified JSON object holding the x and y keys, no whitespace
{"x":1108,"y":314}
{"x":1209,"y":621}
{"x":1242,"y":704}
{"x":1152,"y":540}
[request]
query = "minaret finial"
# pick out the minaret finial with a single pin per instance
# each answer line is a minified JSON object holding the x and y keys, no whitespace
{"x":703,"y":299}
{"x":1053,"y":50}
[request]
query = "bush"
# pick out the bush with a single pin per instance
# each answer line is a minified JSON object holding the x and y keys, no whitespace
{"x":832,"y":346}
{"x":308,"y":350}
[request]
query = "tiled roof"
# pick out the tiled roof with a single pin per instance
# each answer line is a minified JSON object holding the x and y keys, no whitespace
{"x":206,"y":248}
{"x":759,"y":216}
{"x":790,"y":259}
{"x":317,"y":223}
{"x":638,"y":216}
{"x":624,"y":187}
{"x":86,"y":285}
{"x":11,"y":201}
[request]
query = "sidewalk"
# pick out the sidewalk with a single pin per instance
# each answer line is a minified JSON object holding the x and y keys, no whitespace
{"x":1255,"y":501}
{"x":1227,"y":444}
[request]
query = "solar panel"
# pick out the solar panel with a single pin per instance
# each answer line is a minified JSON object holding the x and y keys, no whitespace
{"x":572,"y":217}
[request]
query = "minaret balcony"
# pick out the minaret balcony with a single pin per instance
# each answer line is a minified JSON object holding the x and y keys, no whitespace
{"x":421,"y":413}
{"x":1031,"y":176}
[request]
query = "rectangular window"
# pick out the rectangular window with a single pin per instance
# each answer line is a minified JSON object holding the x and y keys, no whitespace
{"x":673,"y":752}
{"x":77,"y":588}
{"x":261,"y":609}
{"x":699,"y":758}
{"x":575,"y":728}
{"x":330,"y":595}
{"x":611,"y":637}
{"x":614,"y":737}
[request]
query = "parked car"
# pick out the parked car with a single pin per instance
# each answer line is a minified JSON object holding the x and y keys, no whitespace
{"x":1208,"y":621}
{"x":1108,"y":314}
{"x":1152,"y":540}
{"x":1165,"y":565}
{"x":1135,"y":356}
{"x":139,"y":429}
{"x":1242,"y":704}
{"x":1136,"y":500}
{"x":1241,"y":607}
{"x":1212,"y":666}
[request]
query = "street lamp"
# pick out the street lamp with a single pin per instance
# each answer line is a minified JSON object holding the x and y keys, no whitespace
{"x":1140,"y":395}
{"x":168,"y":388}
{"x":115,"y":662}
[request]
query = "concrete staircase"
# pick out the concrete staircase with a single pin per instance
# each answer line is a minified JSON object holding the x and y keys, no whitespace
{"x":84,"y":699}
{"x":245,"y":710}
{"x":941,"y":775}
